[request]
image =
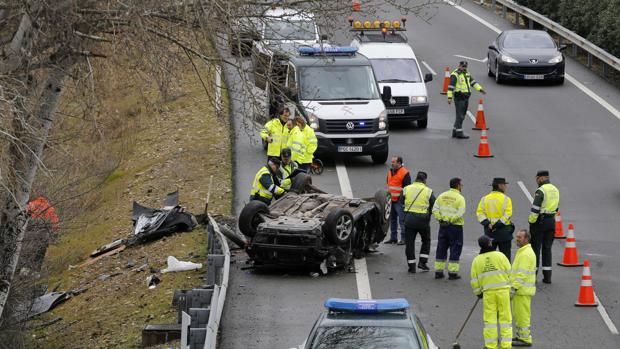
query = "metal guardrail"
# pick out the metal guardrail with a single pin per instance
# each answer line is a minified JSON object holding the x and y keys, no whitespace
{"x":570,"y":37}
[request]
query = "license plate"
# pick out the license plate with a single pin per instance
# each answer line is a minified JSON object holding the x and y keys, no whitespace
{"x":350,"y":149}
{"x":534,"y":77}
{"x":396,"y":111}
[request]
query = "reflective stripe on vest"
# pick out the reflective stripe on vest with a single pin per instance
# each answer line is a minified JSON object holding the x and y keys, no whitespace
{"x":257,"y":187}
{"x":421,"y":194}
{"x":493,"y":209}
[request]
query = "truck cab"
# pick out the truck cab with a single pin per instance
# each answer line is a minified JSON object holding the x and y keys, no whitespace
{"x":337,"y":90}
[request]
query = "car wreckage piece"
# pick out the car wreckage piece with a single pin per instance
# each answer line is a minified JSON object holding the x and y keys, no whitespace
{"x":309,"y":228}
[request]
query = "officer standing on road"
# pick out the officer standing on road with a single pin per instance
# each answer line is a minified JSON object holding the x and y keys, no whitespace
{"x":287,"y":168}
{"x":494,"y":213}
{"x":418,"y":200}
{"x":275,"y":133}
{"x":542,"y":221}
{"x":267,"y":182}
{"x":523,"y":281}
{"x":490,"y":280}
{"x":449,"y":209}
{"x":459,"y":89}
{"x":303,"y":143}
{"x":398,"y":177}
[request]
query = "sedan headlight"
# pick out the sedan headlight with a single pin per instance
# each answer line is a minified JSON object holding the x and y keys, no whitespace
{"x":417,"y":99}
{"x":508,"y":59}
{"x":313,"y":121}
{"x":383,"y":120}
{"x":557,"y":59}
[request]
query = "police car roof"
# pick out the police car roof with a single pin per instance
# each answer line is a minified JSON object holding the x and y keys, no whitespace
{"x":319,"y":59}
{"x":288,"y":14}
{"x":376,"y":50}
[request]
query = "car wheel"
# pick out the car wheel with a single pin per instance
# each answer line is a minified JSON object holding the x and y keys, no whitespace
{"x":383,"y":203}
{"x":250,"y":217}
{"x":379,"y":158}
{"x":338,"y":226}
{"x":301,"y":183}
{"x":498,"y":78}
{"x":422,"y":123}
{"x":489,"y":72}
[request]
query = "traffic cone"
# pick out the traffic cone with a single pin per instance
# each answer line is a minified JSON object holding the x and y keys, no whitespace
{"x":483,"y":148}
{"x":586,"y":291}
{"x":481,"y":123}
{"x":559,"y":227}
{"x":571,"y":257}
{"x":446,"y":81}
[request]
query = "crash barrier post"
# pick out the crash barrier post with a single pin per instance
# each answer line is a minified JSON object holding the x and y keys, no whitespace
{"x":566,"y":36}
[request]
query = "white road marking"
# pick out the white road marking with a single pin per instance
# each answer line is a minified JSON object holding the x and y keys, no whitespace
{"x":471,"y":117}
{"x":568,"y":77}
{"x":361,"y":270}
{"x":473,"y":59}
{"x":605,"y":316}
{"x":428,"y":67}
{"x":525,"y":191}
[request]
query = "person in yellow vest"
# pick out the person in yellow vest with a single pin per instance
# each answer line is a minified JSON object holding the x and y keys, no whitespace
{"x":459,"y":89}
{"x":542,"y":221}
{"x":266,"y":183}
{"x":494,"y":213}
{"x":275,"y":133}
{"x":523,"y":282}
{"x":418,"y":202}
{"x":287,"y":168}
{"x":449,"y":210}
{"x":398,"y":177}
{"x":303,"y":143}
{"x":490,"y":280}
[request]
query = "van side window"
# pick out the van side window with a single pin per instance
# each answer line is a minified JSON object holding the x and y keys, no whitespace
{"x":290,"y":79}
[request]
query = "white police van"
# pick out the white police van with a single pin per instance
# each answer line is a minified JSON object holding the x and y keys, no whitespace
{"x":339,"y":95}
{"x":395,"y":65}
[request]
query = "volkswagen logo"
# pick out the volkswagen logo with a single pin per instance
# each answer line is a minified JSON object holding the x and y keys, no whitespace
{"x":392,"y":101}
{"x":350,"y":126}
{"x":533,"y":60}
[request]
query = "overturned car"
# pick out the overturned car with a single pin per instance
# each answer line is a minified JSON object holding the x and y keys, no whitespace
{"x":308,"y":227}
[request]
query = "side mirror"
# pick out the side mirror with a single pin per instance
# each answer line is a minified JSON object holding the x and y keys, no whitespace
{"x":428,"y":77}
{"x":387,"y":93}
{"x":562,"y":47}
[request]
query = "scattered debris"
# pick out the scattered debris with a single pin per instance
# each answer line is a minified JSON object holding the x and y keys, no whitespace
{"x":177,"y":265}
{"x":44,"y":324}
{"x":152,"y":281}
{"x":50,"y":300}
{"x":141,"y":268}
{"x":116,"y":250}
{"x":130,"y":264}
{"x":103,"y":277}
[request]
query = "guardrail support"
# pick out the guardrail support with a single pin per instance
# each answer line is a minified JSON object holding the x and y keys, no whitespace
{"x":531,"y":23}
{"x":589,"y":60}
{"x":503,"y":10}
{"x":574,"y":50}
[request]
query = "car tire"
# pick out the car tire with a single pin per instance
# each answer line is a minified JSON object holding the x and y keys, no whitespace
{"x":489,"y":72}
{"x":422,"y":123}
{"x":301,"y":183}
{"x":250,"y":218}
{"x":498,"y":78}
{"x":338,"y":226}
{"x":379,"y":158}
{"x":383,"y":203}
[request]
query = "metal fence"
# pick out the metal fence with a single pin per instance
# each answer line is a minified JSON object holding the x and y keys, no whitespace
{"x":531,"y":18}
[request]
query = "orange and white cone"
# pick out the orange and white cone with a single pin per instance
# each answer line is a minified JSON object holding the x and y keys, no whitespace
{"x":586,"y":290}
{"x":446,"y":81}
{"x":483,"y":147}
{"x":571,"y":257}
{"x":559,"y":227}
{"x":481,"y":123}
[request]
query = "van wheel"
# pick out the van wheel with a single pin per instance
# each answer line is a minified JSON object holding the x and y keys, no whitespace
{"x":379,"y":158}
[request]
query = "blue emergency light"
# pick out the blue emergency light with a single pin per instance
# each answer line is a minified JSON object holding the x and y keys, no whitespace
{"x":362,"y":306}
{"x":327,"y":50}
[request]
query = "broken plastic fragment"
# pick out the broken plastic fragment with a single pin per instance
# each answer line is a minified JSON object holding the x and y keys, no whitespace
{"x":177,"y":265}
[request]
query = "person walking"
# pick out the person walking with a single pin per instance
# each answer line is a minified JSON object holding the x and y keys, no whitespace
{"x":398,"y":177}
{"x":303,"y":143}
{"x":523,"y":282}
{"x":459,"y":89}
{"x":490,"y":280}
{"x":542,"y":222}
{"x":449,"y":210}
{"x":494,"y":213}
{"x":418,"y":202}
{"x":275,"y":133}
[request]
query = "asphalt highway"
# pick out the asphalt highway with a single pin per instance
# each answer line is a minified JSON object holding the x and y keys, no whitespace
{"x":559,"y":128}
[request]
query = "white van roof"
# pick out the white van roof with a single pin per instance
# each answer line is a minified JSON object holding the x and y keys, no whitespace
{"x":373,"y":50}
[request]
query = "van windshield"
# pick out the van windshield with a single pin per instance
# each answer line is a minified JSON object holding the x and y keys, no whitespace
{"x":338,"y":83}
{"x":396,"y":70}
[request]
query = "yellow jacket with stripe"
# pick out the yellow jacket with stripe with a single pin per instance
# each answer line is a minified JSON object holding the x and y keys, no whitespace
{"x":490,"y":271}
{"x":450,"y":207}
{"x":523,"y":275}
{"x":494,"y":207}
{"x":303,"y":144}
{"x":279,"y":134}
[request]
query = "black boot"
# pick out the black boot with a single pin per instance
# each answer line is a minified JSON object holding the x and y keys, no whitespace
{"x":547,"y":276}
{"x":424,"y":267}
{"x":453,"y":276}
{"x":412,"y":268}
{"x":461,"y":135}
{"x":439,"y":274}
{"x":453,"y":133}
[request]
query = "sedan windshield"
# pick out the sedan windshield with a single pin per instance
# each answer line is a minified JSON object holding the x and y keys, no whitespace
{"x":364,"y":338}
{"x":396,"y":70}
{"x":528,"y":40}
{"x":338,"y":83}
{"x":289,"y":30}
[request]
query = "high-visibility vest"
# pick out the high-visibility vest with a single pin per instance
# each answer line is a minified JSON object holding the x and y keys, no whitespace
{"x":258,"y":188}
{"x":549,"y":205}
{"x":495,"y":206}
{"x":464,"y":82}
{"x":450,"y":207}
{"x":395,"y":182}
{"x":279,"y":134}
{"x":490,"y":271}
{"x":523,"y":274}
{"x":286,"y":171}
{"x":417,"y":197}
{"x":303,"y":144}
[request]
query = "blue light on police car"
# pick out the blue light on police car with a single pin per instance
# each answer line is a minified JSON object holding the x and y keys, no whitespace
{"x":362,"y":123}
{"x":327,"y":50}
{"x":362,"y":306}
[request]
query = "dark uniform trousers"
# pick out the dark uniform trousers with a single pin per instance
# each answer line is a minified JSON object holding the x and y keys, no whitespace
{"x":502,"y":238}
{"x":542,"y":236}
{"x":449,"y":237}
{"x":461,"y":104}
{"x":416,"y":223}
